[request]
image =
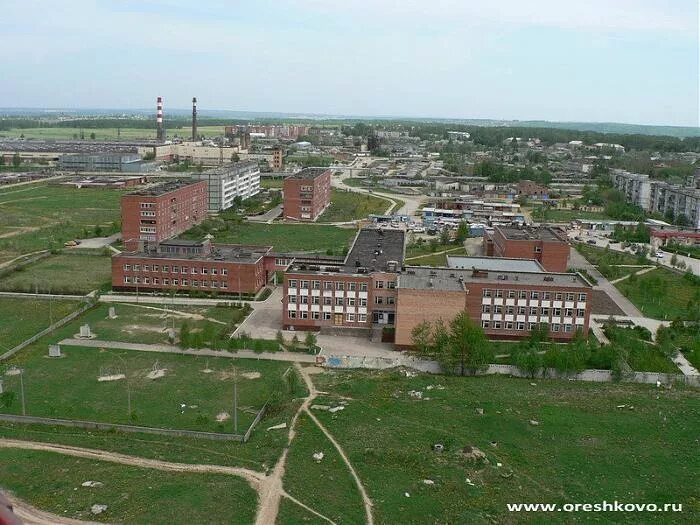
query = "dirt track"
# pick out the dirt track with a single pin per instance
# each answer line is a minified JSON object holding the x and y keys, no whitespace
{"x":33,"y":516}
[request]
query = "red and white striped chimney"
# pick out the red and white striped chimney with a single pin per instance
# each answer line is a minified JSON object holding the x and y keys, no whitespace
{"x":160,"y":135}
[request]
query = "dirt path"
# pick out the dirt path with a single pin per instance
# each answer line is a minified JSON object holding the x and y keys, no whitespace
{"x":33,"y":516}
{"x":188,"y":315}
{"x":366,"y":501}
{"x":19,"y":230}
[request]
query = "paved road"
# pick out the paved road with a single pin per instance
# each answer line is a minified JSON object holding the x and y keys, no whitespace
{"x":96,"y":242}
{"x":268,"y":216}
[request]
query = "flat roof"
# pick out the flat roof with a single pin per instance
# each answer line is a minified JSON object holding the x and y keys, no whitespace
{"x":373,"y":248}
{"x":308,"y":173}
{"x":451,"y":279}
{"x":238,"y":253}
{"x":528,"y":234}
{"x":496,"y":264}
{"x":163,"y":188}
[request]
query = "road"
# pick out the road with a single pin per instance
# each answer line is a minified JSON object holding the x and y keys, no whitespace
{"x":411,"y":203}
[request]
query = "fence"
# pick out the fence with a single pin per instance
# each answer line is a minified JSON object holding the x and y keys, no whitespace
{"x":47,"y":330}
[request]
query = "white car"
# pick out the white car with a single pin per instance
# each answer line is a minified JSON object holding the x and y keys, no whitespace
{"x":660,"y":255}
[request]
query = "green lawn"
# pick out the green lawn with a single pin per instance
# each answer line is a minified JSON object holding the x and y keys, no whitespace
{"x":349,"y":206}
{"x":52,"y":215}
{"x":661,"y":293}
{"x":22,"y":318}
{"x":284,"y":237}
{"x":132,"y":495}
{"x":269,"y":183}
{"x":584,"y":449}
{"x":609,"y":262}
{"x":554,"y":215}
{"x":65,"y":273}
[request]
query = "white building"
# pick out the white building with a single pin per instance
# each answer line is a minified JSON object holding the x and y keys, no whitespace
{"x":239,"y":179}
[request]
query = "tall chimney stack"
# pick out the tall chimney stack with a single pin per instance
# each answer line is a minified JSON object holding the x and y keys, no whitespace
{"x":160,"y":131}
{"x":194,"y":118}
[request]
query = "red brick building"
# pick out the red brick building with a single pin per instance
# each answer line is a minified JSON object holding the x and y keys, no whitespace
{"x":356,"y":292}
{"x":307,"y":194}
{"x":160,"y":212}
{"x":182,"y":265}
{"x":548,"y":246}
{"x":506,"y":304}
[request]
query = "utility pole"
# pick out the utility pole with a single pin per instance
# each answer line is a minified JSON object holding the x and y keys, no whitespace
{"x":235,"y":401}
{"x":21,"y":389}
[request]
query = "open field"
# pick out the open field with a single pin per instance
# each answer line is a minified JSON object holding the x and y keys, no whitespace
{"x":661,"y":293}
{"x":132,"y":494}
{"x":348,"y":206}
{"x":269,"y":183}
{"x":51,"y":215}
{"x":608,"y":261}
{"x":73,"y":273}
{"x":566,"y":458}
{"x":553,"y":215}
{"x":22,"y":318}
{"x":109,"y":133}
{"x":286,"y":237}
{"x":68,"y":388}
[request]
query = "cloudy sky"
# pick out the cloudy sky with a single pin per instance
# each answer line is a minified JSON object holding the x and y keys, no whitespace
{"x":630,"y":61}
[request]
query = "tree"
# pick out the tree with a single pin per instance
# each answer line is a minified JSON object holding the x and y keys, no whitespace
{"x":310,"y":341}
{"x":92,"y":135}
{"x":279,"y":337}
{"x":294,"y":345}
{"x":421,"y":336}
{"x":444,"y":236}
{"x":468,"y":345}
{"x":16,"y":160}
{"x":462,"y":232}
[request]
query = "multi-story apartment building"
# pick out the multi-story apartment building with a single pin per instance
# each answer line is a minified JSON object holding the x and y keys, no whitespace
{"x":307,"y":194}
{"x":548,"y":246}
{"x":659,"y":196}
{"x":356,"y":292}
{"x":507,"y":304}
{"x":160,"y":212}
{"x":182,"y":265}
{"x":225,"y":183}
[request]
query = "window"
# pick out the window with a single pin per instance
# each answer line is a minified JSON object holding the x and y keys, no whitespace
{"x":214,"y":271}
{"x":146,"y":280}
{"x":531,"y":326}
{"x":127,"y":279}
{"x":292,"y":283}
{"x":315,"y":300}
{"x":511,"y":294}
{"x":156,"y":267}
{"x":166,"y":269}
{"x":350,"y":318}
{"x":379,"y":299}
{"x":205,"y":270}
{"x":570,"y":297}
{"x":558,"y":296}
{"x":339,"y":301}
{"x":582,"y":297}
{"x":498,"y":309}
{"x":581,"y":312}
{"x":363,"y":301}
{"x":568,"y":327}
{"x":391,"y":285}
{"x":544,"y":312}
{"x":339,"y":286}
{"x":568,"y":312}
{"x":156,"y":281}
{"x":291,"y":314}
{"x":224,"y":271}
{"x":521,"y":310}
{"x":127,"y":267}
{"x":485,"y":324}
{"x":522,"y":294}
{"x":304,"y":299}
{"x":487,"y":292}
{"x":327,"y":285}
{"x":497,"y":325}
{"x":351,"y":301}
{"x":304,"y":314}
{"x":147,"y":268}
{"x":137,"y":267}
{"x":509,"y":325}
{"x":137,"y":280}
{"x":538,"y":249}
{"x":315,"y":315}
{"x":166,"y":282}
{"x":557,"y":312}
{"x":224,"y":284}
{"x":176,"y":269}
{"x":316,"y":285}
{"x":352,"y":287}
{"x":390,"y":300}
{"x":196,"y":284}
{"x":520,"y":326}
{"x":555,"y":327}
{"x":499,"y":293}
{"x":379,"y":284}
{"x":292,"y":299}
{"x":533,"y":310}
{"x":361,"y":318}
{"x":184,"y":269}
{"x":215,"y":284}
{"x":304,"y":285}
{"x":546,"y":296}
{"x":534,"y":295}
{"x":326,"y":316}
{"x":510,"y":310}
{"x":363,"y":287}
{"x":486,"y":308}
{"x":176,"y":282}
{"x":205,"y":284}
{"x":328,"y":301}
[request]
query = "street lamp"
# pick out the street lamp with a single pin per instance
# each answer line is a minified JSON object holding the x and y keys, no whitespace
{"x":128,"y":384}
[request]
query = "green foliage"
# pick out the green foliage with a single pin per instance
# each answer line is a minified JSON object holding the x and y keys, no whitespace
{"x":7,"y":398}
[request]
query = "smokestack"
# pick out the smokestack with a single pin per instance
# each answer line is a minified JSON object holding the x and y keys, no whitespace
{"x":194,"y":118}
{"x":160,"y":131}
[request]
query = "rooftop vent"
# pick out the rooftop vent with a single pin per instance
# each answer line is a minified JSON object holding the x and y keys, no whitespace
{"x":502,"y":277}
{"x":549,"y":278}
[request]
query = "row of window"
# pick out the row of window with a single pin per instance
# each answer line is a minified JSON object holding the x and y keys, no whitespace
{"x":533,"y":310}
{"x":326,"y":316}
{"x":534,"y":294}
{"x":174,"y":269}
{"x":509,"y":325}
{"x":328,"y":301}
{"x":148,"y":205}
{"x":338,"y":285}
{"x":175,"y":282}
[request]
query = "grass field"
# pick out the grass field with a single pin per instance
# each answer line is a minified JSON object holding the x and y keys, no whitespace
{"x":554,"y":215}
{"x":584,"y":449}
{"x":661,"y":293}
{"x":109,"y":133}
{"x":349,"y":206}
{"x":608,"y":261}
{"x":67,"y":273}
{"x":47,"y":216}
{"x":132,"y":495}
{"x":68,"y":387}
{"x":22,"y":318}
{"x":268,"y":183}
{"x":287,"y":237}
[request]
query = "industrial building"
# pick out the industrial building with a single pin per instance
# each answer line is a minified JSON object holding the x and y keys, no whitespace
{"x":225,"y":183}
{"x":358,"y":292}
{"x":182,"y":265}
{"x":160,"y":212}
{"x":121,"y":162}
{"x":504,"y":300}
{"x":307,"y":194}
{"x":548,"y":246}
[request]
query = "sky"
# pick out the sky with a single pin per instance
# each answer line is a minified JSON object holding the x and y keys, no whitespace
{"x":632,"y":61}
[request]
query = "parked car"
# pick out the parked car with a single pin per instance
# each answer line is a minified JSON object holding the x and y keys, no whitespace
{"x":660,"y":255}
{"x":591,"y":241}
